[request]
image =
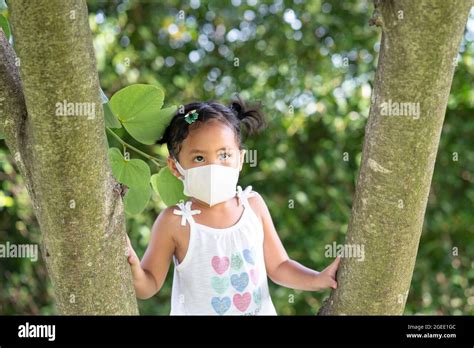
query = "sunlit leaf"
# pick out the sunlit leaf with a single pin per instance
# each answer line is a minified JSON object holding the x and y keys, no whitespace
{"x":133,"y":173}
{"x":136,"y":199}
{"x":168,"y":186}
{"x":138,"y":107}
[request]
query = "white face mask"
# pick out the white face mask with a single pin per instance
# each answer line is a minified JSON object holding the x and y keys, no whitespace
{"x":212,"y":183}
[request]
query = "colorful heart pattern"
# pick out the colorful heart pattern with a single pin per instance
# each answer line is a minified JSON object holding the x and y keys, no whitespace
{"x":242,"y":302}
{"x":220,"y":284}
{"x":257,"y":296}
{"x":221,"y":305}
{"x":239,"y":281}
{"x":254,"y":275}
{"x":220,"y":264}
{"x":236,"y":261}
{"x":248,"y":255}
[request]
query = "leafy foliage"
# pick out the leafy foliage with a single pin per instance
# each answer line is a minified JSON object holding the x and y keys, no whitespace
{"x":311,"y":64}
{"x":138,"y":109}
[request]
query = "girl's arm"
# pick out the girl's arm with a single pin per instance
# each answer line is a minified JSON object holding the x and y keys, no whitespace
{"x":280,"y":268}
{"x":150,"y":274}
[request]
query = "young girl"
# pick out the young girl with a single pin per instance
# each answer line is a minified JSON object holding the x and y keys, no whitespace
{"x":222,"y":240}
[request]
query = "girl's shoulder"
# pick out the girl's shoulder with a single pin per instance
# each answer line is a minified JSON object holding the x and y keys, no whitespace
{"x":168,"y":214}
{"x":171,"y":222}
{"x":257,"y":203}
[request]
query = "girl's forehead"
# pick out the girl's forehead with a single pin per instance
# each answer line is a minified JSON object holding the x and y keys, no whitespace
{"x":210,"y":137}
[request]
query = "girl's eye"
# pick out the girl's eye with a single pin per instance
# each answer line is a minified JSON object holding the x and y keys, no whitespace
{"x":224,"y":156}
{"x":198,"y":159}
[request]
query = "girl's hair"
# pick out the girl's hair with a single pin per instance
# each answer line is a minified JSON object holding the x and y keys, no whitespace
{"x":234,"y":115}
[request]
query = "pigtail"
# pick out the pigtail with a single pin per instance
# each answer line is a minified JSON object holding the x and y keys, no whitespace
{"x":251,"y":117}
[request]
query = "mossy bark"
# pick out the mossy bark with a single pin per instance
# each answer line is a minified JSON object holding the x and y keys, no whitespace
{"x":63,"y":159}
{"x":418,"y":50}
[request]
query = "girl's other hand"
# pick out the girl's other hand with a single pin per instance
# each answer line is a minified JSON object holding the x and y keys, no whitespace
{"x":328,"y":275}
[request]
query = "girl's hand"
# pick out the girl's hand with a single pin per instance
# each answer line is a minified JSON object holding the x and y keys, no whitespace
{"x":143,"y":281}
{"x":327,"y":277}
{"x":134,"y":261}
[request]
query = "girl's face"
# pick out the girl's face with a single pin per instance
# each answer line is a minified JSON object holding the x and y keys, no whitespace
{"x":212,"y":142}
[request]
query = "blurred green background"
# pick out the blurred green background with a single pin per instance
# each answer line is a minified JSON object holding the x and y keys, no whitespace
{"x":311,"y":64}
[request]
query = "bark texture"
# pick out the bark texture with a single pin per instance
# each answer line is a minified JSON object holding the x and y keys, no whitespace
{"x":63,"y":159}
{"x":418,"y":50}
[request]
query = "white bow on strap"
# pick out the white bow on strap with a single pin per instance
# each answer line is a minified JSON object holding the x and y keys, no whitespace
{"x":185,"y":211}
{"x":244,"y":194}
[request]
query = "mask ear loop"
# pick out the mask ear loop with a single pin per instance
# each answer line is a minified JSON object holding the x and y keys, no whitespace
{"x":180,"y":168}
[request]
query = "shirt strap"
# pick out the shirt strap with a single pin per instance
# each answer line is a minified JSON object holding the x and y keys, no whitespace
{"x":243,"y":195}
{"x":186,"y":212}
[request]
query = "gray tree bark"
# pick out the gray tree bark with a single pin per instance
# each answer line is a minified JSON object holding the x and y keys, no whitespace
{"x":418,"y":50}
{"x":63,"y":159}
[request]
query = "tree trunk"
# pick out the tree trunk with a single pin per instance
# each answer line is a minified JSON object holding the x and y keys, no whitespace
{"x":63,"y":159}
{"x":418,"y":51}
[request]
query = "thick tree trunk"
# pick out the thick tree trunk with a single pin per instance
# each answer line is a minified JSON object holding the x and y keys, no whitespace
{"x":63,"y":159}
{"x":419,"y":46}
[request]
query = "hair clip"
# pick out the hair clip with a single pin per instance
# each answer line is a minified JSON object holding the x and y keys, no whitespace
{"x":191,"y":116}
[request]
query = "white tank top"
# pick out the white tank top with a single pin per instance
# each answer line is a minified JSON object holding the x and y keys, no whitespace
{"x":223,"y":272}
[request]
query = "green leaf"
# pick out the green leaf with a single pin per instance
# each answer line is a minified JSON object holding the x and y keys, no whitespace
{"x":5,"y":27}
{"x":164,"y":118}
{"x":133,"y":173}
{"x":169,"y":187}
{"x":111,"y":120}
{"x":138,"y":109}
{"x":136,"y":199}
{"x":3,"y":5}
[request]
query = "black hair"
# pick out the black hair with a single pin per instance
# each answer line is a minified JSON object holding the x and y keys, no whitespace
{"x":235,"y":115}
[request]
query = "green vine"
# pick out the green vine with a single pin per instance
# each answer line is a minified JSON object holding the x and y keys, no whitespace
{"x":160,"y":163}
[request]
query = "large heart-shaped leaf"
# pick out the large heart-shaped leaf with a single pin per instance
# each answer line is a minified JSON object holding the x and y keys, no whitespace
{"x":136,"y":199}
{"x":168,"y":187}
{"x":138,"y":108}
{"x":133,"y":173}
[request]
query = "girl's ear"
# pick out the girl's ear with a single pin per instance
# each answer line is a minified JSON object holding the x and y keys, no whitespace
{"x":172,"y":167}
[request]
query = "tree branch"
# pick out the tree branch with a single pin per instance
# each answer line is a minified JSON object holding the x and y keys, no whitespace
{"x":14,"y":115}
{"x":12,"y":102}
